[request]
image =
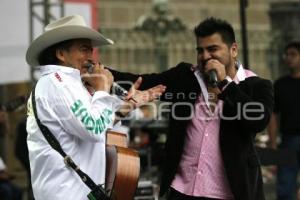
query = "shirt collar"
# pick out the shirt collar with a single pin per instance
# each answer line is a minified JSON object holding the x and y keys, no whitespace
{"x":239,"y":76}
{"x":48,"y":69}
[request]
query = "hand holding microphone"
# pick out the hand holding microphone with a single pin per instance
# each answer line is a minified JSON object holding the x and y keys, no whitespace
{"x":215,"y":72}
{"x":135,"y":96}
{"x":114,"y":87}
{"x":98,"y":77}
{"x":212,"y":78}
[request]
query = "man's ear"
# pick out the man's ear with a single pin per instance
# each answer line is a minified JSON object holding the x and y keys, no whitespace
{"x":234,"y":50}
{"x":60,"y":55}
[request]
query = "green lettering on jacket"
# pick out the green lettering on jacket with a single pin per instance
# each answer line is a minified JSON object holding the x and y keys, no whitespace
{"x":97,"y":125}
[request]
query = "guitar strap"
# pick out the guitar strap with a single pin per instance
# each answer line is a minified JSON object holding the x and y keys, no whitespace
{"x":97,"y":192}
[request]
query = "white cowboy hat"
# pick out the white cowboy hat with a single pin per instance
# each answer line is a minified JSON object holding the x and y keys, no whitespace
{"x":66,"y":28}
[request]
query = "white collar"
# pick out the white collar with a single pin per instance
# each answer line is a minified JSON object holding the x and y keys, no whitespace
{"x":239,"y":76}
{"x":47,"y":69}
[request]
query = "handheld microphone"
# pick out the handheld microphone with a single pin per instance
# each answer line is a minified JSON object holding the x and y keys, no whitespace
{"x":212,"y":78}
{"x":118,"y":90}
{"x":115,"y":89}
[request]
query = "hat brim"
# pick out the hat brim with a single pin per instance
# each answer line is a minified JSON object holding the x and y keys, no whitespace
{"x":60,"y":34}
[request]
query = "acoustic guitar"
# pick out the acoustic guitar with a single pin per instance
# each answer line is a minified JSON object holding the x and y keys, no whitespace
{"x":122,"y":167}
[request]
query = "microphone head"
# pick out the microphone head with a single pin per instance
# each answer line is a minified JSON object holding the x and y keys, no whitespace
{"x":118,"y":90}
{"x":89,"y":65}
{"x":212,"y":78}
{"x":115,"y":89}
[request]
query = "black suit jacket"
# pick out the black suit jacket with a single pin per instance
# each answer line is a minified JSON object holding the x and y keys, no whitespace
{"x":236,"y":134}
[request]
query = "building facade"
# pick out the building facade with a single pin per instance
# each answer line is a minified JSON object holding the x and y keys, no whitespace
{"x":135,"y":51}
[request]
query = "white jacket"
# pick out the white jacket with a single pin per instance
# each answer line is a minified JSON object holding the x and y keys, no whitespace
{"x":79,"y":122}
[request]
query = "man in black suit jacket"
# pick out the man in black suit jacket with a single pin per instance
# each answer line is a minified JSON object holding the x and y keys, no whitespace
{"x":246,"y":109}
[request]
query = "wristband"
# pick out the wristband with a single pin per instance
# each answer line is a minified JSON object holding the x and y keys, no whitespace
{"x":224,"y":82}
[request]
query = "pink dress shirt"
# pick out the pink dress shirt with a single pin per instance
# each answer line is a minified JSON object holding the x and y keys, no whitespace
{"x":201,"y":170}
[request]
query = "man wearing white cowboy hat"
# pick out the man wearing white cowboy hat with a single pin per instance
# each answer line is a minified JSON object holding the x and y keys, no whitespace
{"x":76,"y":118}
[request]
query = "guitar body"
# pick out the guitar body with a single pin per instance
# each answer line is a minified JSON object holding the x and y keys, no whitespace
{"x":122,"y":167}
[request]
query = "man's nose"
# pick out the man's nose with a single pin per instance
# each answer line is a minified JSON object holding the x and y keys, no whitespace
{"x":89,"y":58}
{"x":90,"y":54}
{"x":206,"y":55}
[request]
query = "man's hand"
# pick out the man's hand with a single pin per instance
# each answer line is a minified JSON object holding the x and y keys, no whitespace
{"x":4,"y":122}
{"x":138,"y":98}
{"x":3,"y":116}
{"x":99,"y":78}
{"x":214,"y":64}
{"x":5,"y":176}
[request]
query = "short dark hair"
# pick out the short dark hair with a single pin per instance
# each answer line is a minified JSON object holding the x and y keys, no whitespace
{"x":294,"y":44}
{"x":213,"y":25}
{"x":48,"y":56}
